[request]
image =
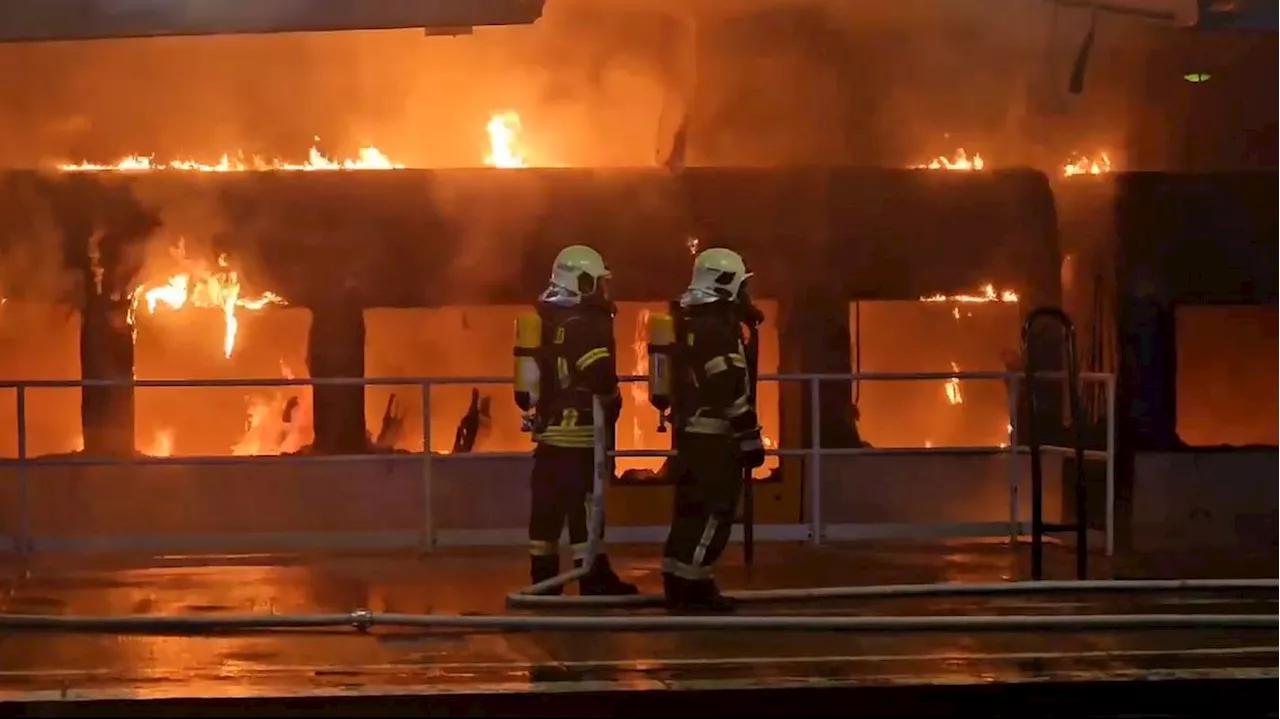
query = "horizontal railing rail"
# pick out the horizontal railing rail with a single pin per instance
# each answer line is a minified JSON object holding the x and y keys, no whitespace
{"x":813,"y":454}
{"x":409,"y":381}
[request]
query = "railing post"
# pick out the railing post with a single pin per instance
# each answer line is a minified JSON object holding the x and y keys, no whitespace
{"x":1110,"y":386}
{"x":24,"y":501}
{"x":752,"y":352}
{"x":1012,"y":462}
{"x":428,"y":540}
{"x":815,"y":463}
{"x":600,"y":452}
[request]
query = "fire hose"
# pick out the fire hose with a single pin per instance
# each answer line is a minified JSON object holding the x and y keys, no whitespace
{"x":363,"y":620}
{"x":534,"y":596}
{"x":537,"y":594}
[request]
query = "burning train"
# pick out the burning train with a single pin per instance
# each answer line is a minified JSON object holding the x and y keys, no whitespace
{"x":377,"y":263}
{"x":178,"y":293}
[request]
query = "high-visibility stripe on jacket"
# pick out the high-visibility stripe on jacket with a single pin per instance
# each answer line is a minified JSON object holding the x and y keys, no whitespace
{"x":577,"y":363}
{"x":713,"y":382}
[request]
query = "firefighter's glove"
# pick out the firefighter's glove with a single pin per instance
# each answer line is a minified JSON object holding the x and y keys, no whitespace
{"x":750,"y":449}
{"x":612,"y":407}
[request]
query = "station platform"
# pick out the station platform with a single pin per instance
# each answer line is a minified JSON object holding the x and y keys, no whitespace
{"x":399,"y":672}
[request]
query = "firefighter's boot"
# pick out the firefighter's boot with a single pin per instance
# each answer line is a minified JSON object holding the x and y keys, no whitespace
{"x":542,"y":568}
{"x":602,"y":581}
{"x":699,"y":596}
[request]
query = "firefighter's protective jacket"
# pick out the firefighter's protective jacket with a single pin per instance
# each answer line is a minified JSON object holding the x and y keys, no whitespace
{"x":712,"y":380}
{"x":577,"y":363}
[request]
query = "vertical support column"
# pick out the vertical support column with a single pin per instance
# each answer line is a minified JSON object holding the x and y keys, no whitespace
{"x":813,"y":333}
{"x":1148,"y":372}
{"x":104,"y":228}
{"x":106,"y":353}
{"x":335,"y":348}
{"x":1146,"y":393}
{"x":814,"y":337}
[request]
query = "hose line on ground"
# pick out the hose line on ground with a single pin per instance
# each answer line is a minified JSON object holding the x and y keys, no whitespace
{"x":363,"y":619}
{"x":896,"y":591}
{"x":540,"y":595}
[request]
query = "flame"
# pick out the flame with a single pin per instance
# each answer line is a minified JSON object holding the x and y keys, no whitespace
{"x":279,"y":423}
{"x":505,"y":149}
{"x":961,"y":162}
{"x":161,"y":444}
{"x":987,"y":293}
{"x":1082,"y":165}
{"x":368,"y":158}
{"x":952,"y":388}
{"x":639,"y":390}
{"x":203,"y":288}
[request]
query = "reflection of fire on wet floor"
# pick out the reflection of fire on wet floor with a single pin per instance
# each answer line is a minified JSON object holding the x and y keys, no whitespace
{"x":319,"y":663}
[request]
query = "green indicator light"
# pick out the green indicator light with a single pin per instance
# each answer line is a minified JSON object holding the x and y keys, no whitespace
{"x":1197,"y":77}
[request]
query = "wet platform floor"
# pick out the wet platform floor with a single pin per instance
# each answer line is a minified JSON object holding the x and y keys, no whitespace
{"x":65,"y":673}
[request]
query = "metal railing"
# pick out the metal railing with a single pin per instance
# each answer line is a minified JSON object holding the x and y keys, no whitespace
{"x":815,"y":529}
{"x":1074,"y":402}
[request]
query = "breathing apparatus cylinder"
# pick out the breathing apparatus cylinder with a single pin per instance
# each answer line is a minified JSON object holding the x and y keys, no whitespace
{"x":528,"y":378}
{"x":662,"y":345}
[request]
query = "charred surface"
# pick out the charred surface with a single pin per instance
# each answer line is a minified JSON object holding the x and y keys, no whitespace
{"x":433,"y":238}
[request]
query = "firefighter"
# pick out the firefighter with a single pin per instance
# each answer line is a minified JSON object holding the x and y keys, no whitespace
{"x":718,"y":436}
{"x":576,"y":364}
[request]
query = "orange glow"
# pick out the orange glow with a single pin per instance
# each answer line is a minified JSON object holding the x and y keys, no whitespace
{"x":961,"y":162}
{"x":954,"y":395}
{"x":1082,"y":165}
{"x":505,"y":149}
{"x":277,"y":423}
{"x":161,"y":444}
{"x":987,"y":293}
{"x":640,"y":390}
{"x":369,"y":158}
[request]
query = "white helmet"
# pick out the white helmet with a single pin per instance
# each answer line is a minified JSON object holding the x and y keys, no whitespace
{"x":579,"y":269}
{"x":718,"y":272}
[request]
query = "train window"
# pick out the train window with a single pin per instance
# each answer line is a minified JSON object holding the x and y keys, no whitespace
{"x":1227,"y":374}
{"x":944,"y":334}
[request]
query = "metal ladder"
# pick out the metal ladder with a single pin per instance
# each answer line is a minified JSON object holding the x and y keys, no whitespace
{"x":1038,"y":525}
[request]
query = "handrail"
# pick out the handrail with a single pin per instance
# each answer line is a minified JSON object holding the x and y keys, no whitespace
{"x":363,"y":619}
{"x":1038,"y":525}
{"x":812,"y":454}
{"x":404,"y":381}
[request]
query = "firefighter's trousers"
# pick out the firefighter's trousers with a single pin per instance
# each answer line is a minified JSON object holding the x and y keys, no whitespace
{"x":708,"y":479}
{"x":562,"y":481}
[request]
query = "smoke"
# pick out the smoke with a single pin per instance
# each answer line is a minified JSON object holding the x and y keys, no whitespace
{"x":604,"y":83}
{"x":31,"y":263}
{"x":608,"y":83}
{"x":587,"y":80}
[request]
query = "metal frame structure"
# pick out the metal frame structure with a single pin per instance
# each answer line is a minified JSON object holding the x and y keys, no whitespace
{"x":815,"y":530}
{"x":362,"y":619}
{"x":72,"y":20}
{"x":1038,"y":526}
{"x":1173,"y":12}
